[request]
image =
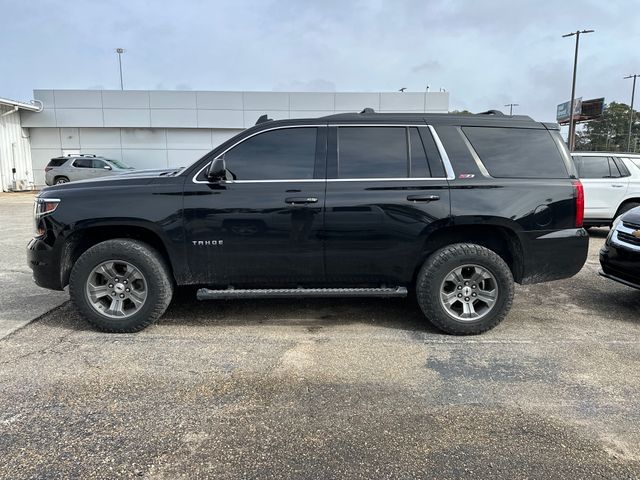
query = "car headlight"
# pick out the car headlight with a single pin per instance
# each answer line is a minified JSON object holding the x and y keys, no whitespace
{"x":616,"y":222}
{"x":42,"y":207}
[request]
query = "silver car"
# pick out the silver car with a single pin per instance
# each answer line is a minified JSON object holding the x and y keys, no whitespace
{"x":81,"y":167}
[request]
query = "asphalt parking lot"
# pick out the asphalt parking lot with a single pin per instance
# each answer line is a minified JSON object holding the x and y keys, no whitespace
{"x":330,"y":389}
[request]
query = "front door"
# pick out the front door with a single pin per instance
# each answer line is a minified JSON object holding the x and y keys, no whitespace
{"x":262,"y":225}
{"x":386,"y":191}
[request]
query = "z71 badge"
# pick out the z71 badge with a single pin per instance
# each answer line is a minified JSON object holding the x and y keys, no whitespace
{"x":207,"y":243}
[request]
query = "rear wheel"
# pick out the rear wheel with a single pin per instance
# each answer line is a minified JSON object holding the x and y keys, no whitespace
{"x":120,"y":285}
{"x":465,"y":289}
{"x":60,"y":180}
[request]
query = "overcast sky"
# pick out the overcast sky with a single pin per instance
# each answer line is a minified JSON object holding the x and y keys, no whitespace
{"x":486,"y":53}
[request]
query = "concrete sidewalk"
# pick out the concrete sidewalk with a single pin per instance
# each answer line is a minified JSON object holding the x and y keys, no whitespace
{"x":21,"y":300}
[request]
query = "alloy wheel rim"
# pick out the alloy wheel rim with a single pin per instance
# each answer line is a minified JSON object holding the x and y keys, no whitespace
{"x":116,"y":289}
{"x":469,"y":292}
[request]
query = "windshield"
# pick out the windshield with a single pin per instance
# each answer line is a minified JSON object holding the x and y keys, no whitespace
{"x":119,"y":164}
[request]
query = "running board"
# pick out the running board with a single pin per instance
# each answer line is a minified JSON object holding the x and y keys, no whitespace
{"x":227,"y":294}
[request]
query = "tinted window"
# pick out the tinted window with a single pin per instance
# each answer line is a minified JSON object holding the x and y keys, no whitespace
{"x":83,"y":163}
{"x":99,"y":164}
{"x":592,"y":167}
{"x":419,"y":165}
{"x":433,"y":155}
{"x":517,"y":152}
{"x":372,"y":152}
{"x":274,"y":155}
{"x":613,"y":168}
{"x":57,"y":162}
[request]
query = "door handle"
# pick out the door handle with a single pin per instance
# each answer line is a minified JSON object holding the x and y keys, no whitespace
{"x":423,"y":198}
{"x":300,"y":200}
{"x":616,"y":185}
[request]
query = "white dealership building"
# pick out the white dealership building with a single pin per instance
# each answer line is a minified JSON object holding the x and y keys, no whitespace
{"x":157,"y":129}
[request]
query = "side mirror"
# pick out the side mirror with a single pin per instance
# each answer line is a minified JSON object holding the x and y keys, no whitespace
{"x":107,"y":167}
{"x":217,"y":169}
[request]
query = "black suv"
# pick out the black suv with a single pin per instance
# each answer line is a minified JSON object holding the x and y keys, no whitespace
{"x":453,"y":207}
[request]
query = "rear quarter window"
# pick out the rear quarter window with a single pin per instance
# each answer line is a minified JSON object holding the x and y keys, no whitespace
{"x":517,"y":152}
{"x":57,"y":162}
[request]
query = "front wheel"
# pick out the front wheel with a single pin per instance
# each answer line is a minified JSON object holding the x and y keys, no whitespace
{"x":120,"y":285}
{"x":465,"y":289}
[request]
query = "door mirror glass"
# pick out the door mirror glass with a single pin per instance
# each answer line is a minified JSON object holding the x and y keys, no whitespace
{"x":217,"y":169}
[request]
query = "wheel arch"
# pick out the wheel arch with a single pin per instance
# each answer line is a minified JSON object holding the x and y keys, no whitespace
{"x":498,"y":238}
{"x":82,"y":239}
{"x":632,"y":199}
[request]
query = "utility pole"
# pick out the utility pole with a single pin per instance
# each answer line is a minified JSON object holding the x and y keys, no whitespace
{"x":120,"y":51}
{"x":633,"y":94}
{"x":572,"y":123}
{"x":511,"y":105}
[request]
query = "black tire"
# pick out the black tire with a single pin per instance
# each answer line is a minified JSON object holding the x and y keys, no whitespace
{"x":440,"y":264}
{"x":625,"y":207}
{"x":60,"y":180}
{"x":147,"y":260}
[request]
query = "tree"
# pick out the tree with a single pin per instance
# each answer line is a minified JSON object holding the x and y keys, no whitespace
{"x":610,"y":132}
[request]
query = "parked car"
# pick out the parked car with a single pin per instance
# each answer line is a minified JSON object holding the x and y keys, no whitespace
{"x":620,"y":255}
{"x":455,"y":208}
{"x":81,"y":167}
{"x":611,"y":185}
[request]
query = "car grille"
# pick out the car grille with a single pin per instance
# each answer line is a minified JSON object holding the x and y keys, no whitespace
{"x":628,"y":238}
{"x":624,"y":234}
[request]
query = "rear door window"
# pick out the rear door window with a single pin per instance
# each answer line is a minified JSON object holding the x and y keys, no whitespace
{"x":372,"y":152}
{"x":83,"y":163}
{"x":517,"y":152}
{"x":593,"y":167}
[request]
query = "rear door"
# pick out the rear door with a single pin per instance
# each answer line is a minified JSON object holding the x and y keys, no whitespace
{"x":604,"y":185}
{"x":386,"y":190}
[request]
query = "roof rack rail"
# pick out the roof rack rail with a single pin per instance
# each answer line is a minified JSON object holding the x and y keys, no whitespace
{"x":263,"y":118}
{"x":81,"y":155}
{"x":497,"y":113}
{"x":367,"y":111}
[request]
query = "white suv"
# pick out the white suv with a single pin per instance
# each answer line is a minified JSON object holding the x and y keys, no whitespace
{"x":611,"y":185}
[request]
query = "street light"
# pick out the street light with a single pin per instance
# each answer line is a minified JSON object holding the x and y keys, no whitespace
{"x":120,"y":51}
{"x":426,"y":91}
{"x":511,"y":105}
{"x":633,"y":94}
{"x":572,"y":123}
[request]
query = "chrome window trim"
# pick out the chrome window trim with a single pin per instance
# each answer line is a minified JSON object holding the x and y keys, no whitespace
{"x":474,"y":154}
{"x":441,"y":150}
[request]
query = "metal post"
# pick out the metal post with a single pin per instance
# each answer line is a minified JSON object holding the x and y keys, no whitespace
{"x":511,"y":105}
{"x":572,"y":123}
{"x":120,"y":51}
{"x":633,"y":94}
{"x":426,"y":91}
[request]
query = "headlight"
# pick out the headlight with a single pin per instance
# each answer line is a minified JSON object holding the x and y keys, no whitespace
{"x":616,"y":222}
{"x":42,"y":207}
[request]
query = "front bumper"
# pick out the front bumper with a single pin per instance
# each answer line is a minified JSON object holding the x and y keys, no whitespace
{"x":44,"y":262}
{"x":620,"y":264}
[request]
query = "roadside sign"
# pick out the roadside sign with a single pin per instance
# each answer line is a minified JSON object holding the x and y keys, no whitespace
{"x":562,"y":113}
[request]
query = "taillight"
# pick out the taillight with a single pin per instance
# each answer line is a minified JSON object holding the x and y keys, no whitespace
{"x":46,"y":169}
{"x":578,"y":193}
